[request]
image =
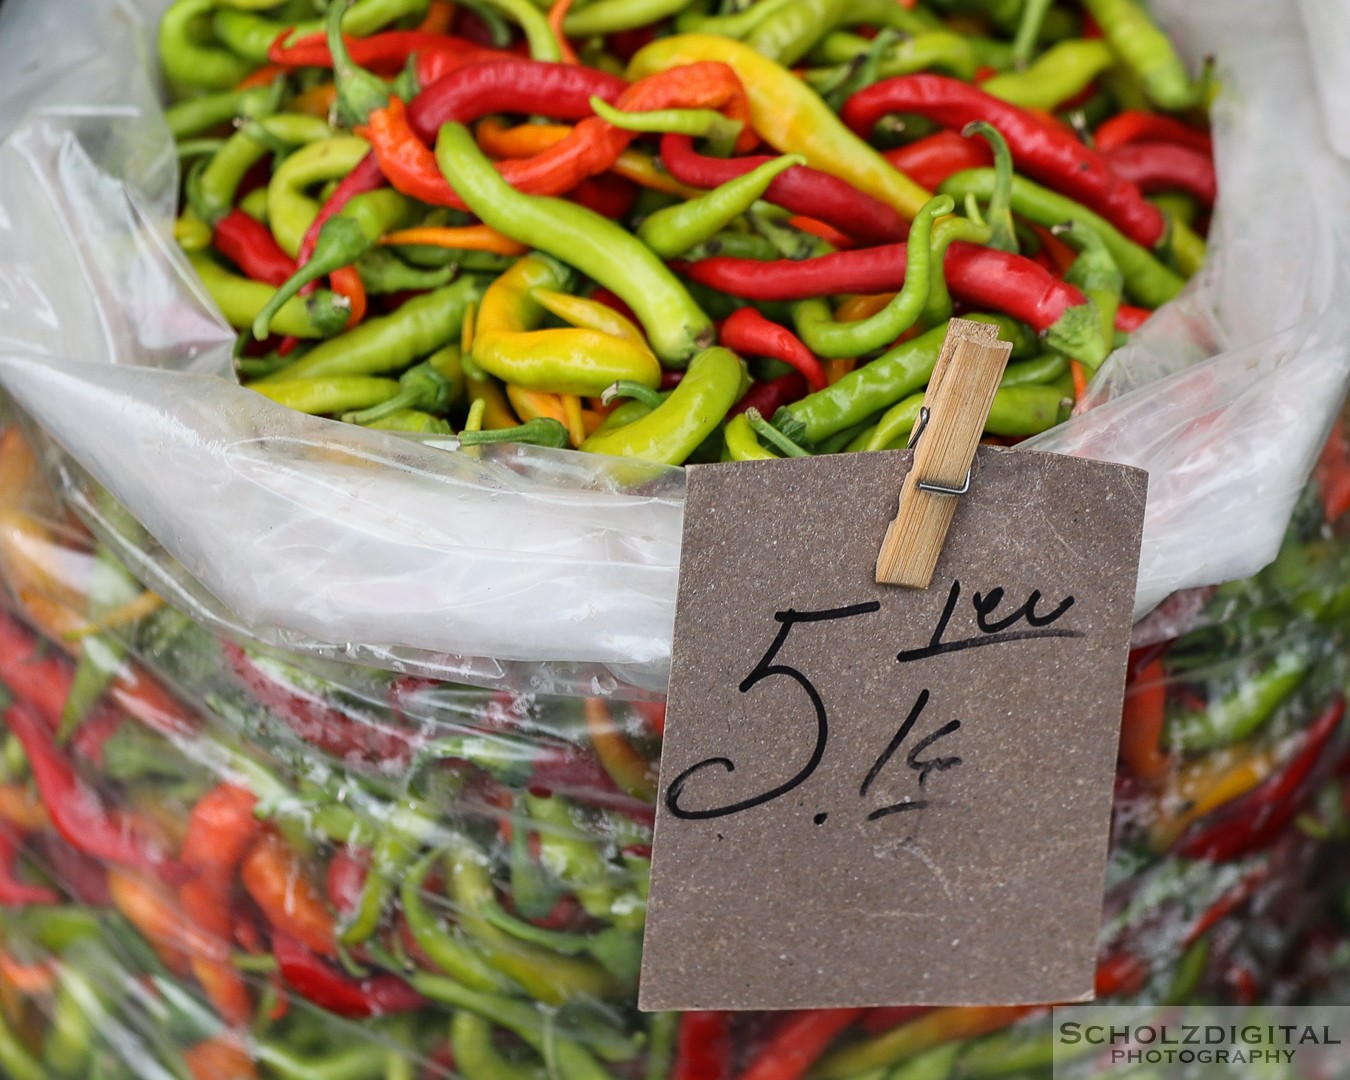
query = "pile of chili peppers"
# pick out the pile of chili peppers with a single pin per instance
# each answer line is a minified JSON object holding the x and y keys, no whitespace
{"x":651,"y":228}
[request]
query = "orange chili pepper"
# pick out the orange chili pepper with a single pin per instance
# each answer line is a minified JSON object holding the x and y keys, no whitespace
{"x":499,"y":140}
{"x":221,"y":1058}
{"x":1079,"y":380}
{"x":275,"y":877}
{"x":556,"y":14}
{"x":464,"y":238}
{"x":439,"y":18}
{"x":28,"y":979}
{"x":629,"y":769}
{"x":838,"y":367}
{"x":264,"y":76}
{"x":221,"y":828}
{"x":1060,"y":253}
{"x":1142,"y":723}
{"x":825,"y":231}
{"x":863,"y":306}
{"x":347,"y":282}
{"x":316,"y":101}
{"x":19,"y":809}
{"x":154,"y":911}
{"x":644,"y":170}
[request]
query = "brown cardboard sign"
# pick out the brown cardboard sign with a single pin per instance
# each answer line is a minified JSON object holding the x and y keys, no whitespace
{"x":875,"y":795}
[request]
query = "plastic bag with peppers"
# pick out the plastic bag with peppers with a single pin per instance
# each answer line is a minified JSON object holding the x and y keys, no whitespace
{"x":324,"y":809}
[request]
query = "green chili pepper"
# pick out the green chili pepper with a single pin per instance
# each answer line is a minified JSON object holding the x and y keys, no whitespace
{"x":787,"y":241}
{"x":383,"y":272}
{"x":1146,"y":279}
{"x":341,"y":242}
{"x":327,"y":394}
{"x":737,"y":245}
{"x":1040,"y":370}
{"x":359,"y":93}
{"x":254,"y":204}
{"x":825,"y":337}
{"x":389,"y":343}
{"x":713,"y":384}
{"x":1243,"y":711}
{"x":289,"y":210}
{"x":200,"y":114}
{"x":939,"y":50}
{"x":396,"y":847}
{"x":1062,"y":72}
{"x":741,"y":444}
{"x":365,"y":1061}
{"x":430,"y":387}
{"x":1187,"y":248}
{"x":476,"y":1055}
{"x":614,"y":16}
{"x":677,"y":228}
{"x":1147,"y":51}
{"x":675,"y":325}
{"x":221,"y":177}
{"x":412,"y":421}
{"x":250,"y":35}
{"x":240,"y":299}
{"x":1017,"y":410}
{"x":544,"y":975}
{"x":541,"y":431}
{"x":788,"y":32}
{"x":869,"y":388}
{"x":445,"y":946}
{"x":721,"y":131}
{"x":618,"y":951}
{"x":189,"y":62}
{"x":1096,"y":273}
{"x":74,"y":1022}
{"x":736,"y":24}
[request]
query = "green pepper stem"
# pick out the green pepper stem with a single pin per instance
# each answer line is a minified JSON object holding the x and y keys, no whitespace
{"x":359,"y":92}
{"x":999,"y":214}
{"x":627,"y":388}
{"x":771,"y":434}
{"x":541,"y":431}
{"x":341,"y":242}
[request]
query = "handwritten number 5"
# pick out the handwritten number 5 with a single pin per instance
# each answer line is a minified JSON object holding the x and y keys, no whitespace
{"x":766,"y":669}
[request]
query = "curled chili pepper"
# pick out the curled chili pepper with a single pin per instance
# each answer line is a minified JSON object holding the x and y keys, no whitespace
{"x":930,"y":160}
{"x":1160,"y":167}
{"x":324,"y":985}
{"x":703,"y":1047}
{"x":249,"y":244}
{"x":797,"y":1043}
{"x":749,"y":333}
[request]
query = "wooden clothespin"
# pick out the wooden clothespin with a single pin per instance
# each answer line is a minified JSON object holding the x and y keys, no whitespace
{"x":955,"y":408}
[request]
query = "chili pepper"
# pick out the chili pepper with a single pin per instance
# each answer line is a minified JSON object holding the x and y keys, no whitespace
{"x":445,"y":947}
{"x":1016,"y":411}
{"x":476,"y":1055}
{"x":787,"y":32}
{"x":1040,"y":150}
{"x":740,"y":441}
{"x":1135,"y":125}
{"x":76,"y":810}
{"x":629,"y":769}
{"x":154,"y":911}
{"x":274,"y":877}
{"x":677,"y":228}
{"x":222,"y":176}
{"x":358,"y":91}
{"x":1142,"y":725}
{"x":1095,"y":272}
{"x":362,"y":180}
{"x":722,"y":132}
{"x":1057,"y":76}
{"x":198,"y":114}
{"x":1146,"y":279}
{"x":252,"y":35}
{"x":749,"y":333}
{"x":366,"y":1060}
{"x":790,"y":116}
{"x":703,"y":1047}
{"x":424,"y":387}
{"x":930,"y":1030}
{"x":797,"y":1043}
{"x":249,"y":245}
{"x":20,"y":809}
{"x":712,"y":385}
{"x":319,"y":982}
{"x":1146,"y":50}
{"x":394,"y":850}
{"x":221,"y":829}
{"x":599,"y":248}
{"x":825,"y":337}
{"x":542,"y":431}
{"x":605,"y":17}
{"x":341,"y":242}
{"x":932,"y":159}
{"x":220,"y":1058}
{"x":388,"y":51}
{"x":1160,"y":166}
{"x":1252,"y":821}
{"x":289,"y":210}
{"x":384,"y":272}
{"x":41,"y":679}
{"x":186,"y":60}
{"x":14,"y":891}
{"x":328,"y":395}
{"x":461,"y":238}
{"x":240,"y":299}
{"x":862,"y":62}
{"x":1241,"y":712}
{"x":389,"y":343}
{"x":619,"y":952}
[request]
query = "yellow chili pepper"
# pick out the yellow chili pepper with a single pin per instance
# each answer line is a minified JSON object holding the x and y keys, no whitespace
{"x":563,"y":361}
{"x":789,"y":115}
{"x":1206,"y":784}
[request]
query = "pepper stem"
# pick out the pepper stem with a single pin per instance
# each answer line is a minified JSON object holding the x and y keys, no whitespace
{"x":541,"y":431}
{"x":999,"y":215}
{"x":359,"y":92}
{"x":627,"y":388}
{"x":771,"y":434}
{"x":341,"y":242}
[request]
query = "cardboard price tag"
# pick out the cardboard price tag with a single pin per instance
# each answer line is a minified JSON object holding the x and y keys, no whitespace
{"x":878,"y":795}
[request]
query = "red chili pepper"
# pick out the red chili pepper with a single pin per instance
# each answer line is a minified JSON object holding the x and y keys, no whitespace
{"x":1130,"y":318}
{"x":1141,"y":725}
{"x":1333,"y":474}
{"x":345,"y":880}
{"x":319,"y":722}
{"x":221,"y":829}
{"x":365,"y":177}
{"x":76,"y":810}
{"x":1229,"y":902}
{"x":14,"y":891}
{"x":1158,"y":166}
{"x":1121,"y":973}
{"x":42,"y":679}
{"x":276,"y":879}
{"x":608,"y":195}
{"x":800,"y":189}
{"x":749,"y":333}
{"x":577,"y":775}
{"x":356,"y":999}
{"x":768,"y":397}
{"x":1045,"y":152}
{"x":932,"y":159}
{"x":981,"y":276}
{"x":797,"y":1043}
{"x":703,"y":1047}
{"x":1136,"y":125}
{"x":384,"y":53}
{"x":250,"y":245}
{"x":1252,"y":821}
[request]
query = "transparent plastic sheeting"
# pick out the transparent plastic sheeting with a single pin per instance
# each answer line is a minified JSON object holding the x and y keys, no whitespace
{"x":561,"y":568}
